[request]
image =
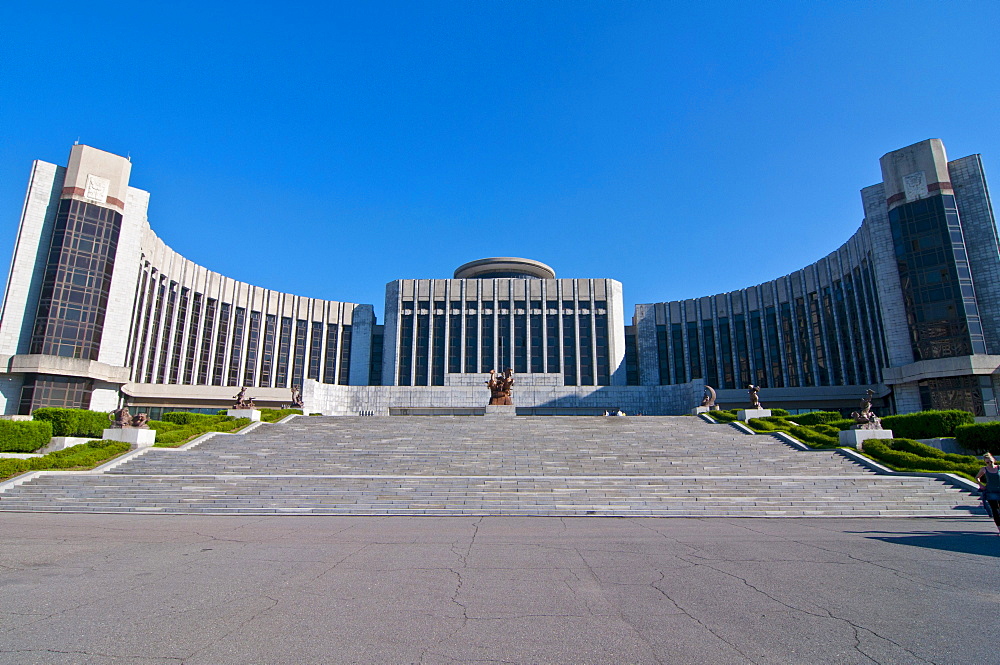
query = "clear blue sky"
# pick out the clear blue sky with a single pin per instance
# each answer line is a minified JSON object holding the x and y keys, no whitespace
{"x":682,"y":148}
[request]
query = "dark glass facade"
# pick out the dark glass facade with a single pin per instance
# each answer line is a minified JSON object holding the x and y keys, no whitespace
{"x":936,"y":280}
{"x":42,"y":390}
{"x":69,"y":321}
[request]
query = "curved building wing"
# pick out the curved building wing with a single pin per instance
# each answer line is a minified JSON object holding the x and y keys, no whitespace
{"x":99,"y":311}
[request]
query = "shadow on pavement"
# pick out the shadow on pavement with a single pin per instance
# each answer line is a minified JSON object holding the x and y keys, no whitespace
{"x":966,"y":542}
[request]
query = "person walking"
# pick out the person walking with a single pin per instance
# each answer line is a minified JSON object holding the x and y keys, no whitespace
{"x":991,"y":488}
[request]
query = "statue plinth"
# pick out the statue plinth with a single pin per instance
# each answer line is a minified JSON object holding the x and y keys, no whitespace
{"x":252,"y":414}
{"x":136,"y":437}
{"x":747,"y":414}
{"x":856,"y":437}
{"x":500,"y":410}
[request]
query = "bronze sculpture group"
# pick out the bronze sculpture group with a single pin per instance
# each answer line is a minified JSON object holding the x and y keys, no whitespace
{"x":500,"y":387}
{"x":122,"y":419}
{"x":242,"y":401}
{"x":754,"y":396}
{"x":297,"y":402}
{"x":866,"y":418}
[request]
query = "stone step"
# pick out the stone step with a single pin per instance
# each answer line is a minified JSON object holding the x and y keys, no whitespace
{"x":658,"y":466}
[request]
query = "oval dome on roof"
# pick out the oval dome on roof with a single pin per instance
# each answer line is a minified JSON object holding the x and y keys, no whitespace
{"x":504,"y":266}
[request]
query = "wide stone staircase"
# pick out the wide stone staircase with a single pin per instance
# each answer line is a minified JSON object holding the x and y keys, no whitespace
{"x":467,"y":465}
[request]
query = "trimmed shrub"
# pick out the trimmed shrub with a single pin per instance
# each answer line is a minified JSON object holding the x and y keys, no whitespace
{"x":780,"y":413}
{"x":897,"y":454}
{"x":813,"y":438}
{"x":762,"y":425}
{"x":185,"y":417}
{"x":24,"y":436}
{"x":274,"y":415}
{"x":74,"y":422}
{"x":816,"y":418}
{"x":980,"y":437}
{"x":85,"y":455}
{"x":927,"y":424}
{"x":722,"y":416}
{"x":172,"y":435}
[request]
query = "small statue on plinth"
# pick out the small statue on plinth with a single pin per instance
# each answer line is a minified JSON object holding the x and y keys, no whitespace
{"x":866,"y":418}
{"x":500,"y":387}
{"x":242,"y":401}
{"x":754,"y":396}
{"x":709,"y":398}
{"x":297,"y":402}
{"x":122,"y":419}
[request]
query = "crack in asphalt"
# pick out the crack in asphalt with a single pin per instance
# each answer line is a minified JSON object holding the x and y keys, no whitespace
{"x":459,"y":583}
{"x":130,"y":657}
{"x":683,"y":610}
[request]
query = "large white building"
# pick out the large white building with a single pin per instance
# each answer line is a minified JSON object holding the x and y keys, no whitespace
{"x":98,"y":310}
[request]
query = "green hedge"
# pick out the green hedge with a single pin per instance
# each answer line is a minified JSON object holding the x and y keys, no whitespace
{"x":85,"y":455}
{"x":24,"y":436}
{"x":274,"y":415}
{"x":927,"y":424}
{"x":908,"y":455}
{"x":170,"y":434}
{"x":74,"y":422}
{"x":817,"y":418}
{"x":812,"y":438}
{"x":723,"y":416}
{"x":980,"y":437}
{"x":185,"y":417}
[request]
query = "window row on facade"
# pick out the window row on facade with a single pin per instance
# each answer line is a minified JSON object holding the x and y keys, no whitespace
{"x":827,"y":337}
{"x":570,"y":337}
{"x":180,"y":336}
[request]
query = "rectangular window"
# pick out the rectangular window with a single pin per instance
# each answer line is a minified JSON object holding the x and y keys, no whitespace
{"x":833,"y":349}
{"x":586,"y":327}
{"x":773,"y":347}
{"x":552,"y":336}
{"x":330,"y":367}
{"x":165,"y":338}
{"x":711,"y":362}
{"x":177,"y":349}
{"x":487,"y":342}
{"x":788,"y":344}
{"x":816,"y":332}
{"x":438,"y":344}
{"x":315,"y":350}
{"x":154,"y":336}
{"x":345,"y":358}
{"x":726,"y":349}
{"x":455,"y":338}
{"x":237,"y":347}
{"x":299,"y":354}
{"x":204,"y":363}
{"x":190,"y":354}
{"x":601,"y":342}
{"x":253,"y":340}
{"x":471,"y":338}
{"x":694,"y":355}
{"x":405,"y":348}
{"x":536,"y":332}
{"x":267,"y":353}
{"x":677,"y":352}
{"x":222,"y":341}
{"x":423,"y":334}
{"x":742,"y":352}
{"x":569,"y":338}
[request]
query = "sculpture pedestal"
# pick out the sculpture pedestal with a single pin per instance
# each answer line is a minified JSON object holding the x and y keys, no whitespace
{"x":252,"y":414}
{"x":747,"y":414}
{"x":500,"y":410}
{"x":699,"y":409}
{"x":855,"y":437}
{"x":138,"y":438}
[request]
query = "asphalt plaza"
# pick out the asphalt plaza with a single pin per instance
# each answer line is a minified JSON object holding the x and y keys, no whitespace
{"x":196,"y":589}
